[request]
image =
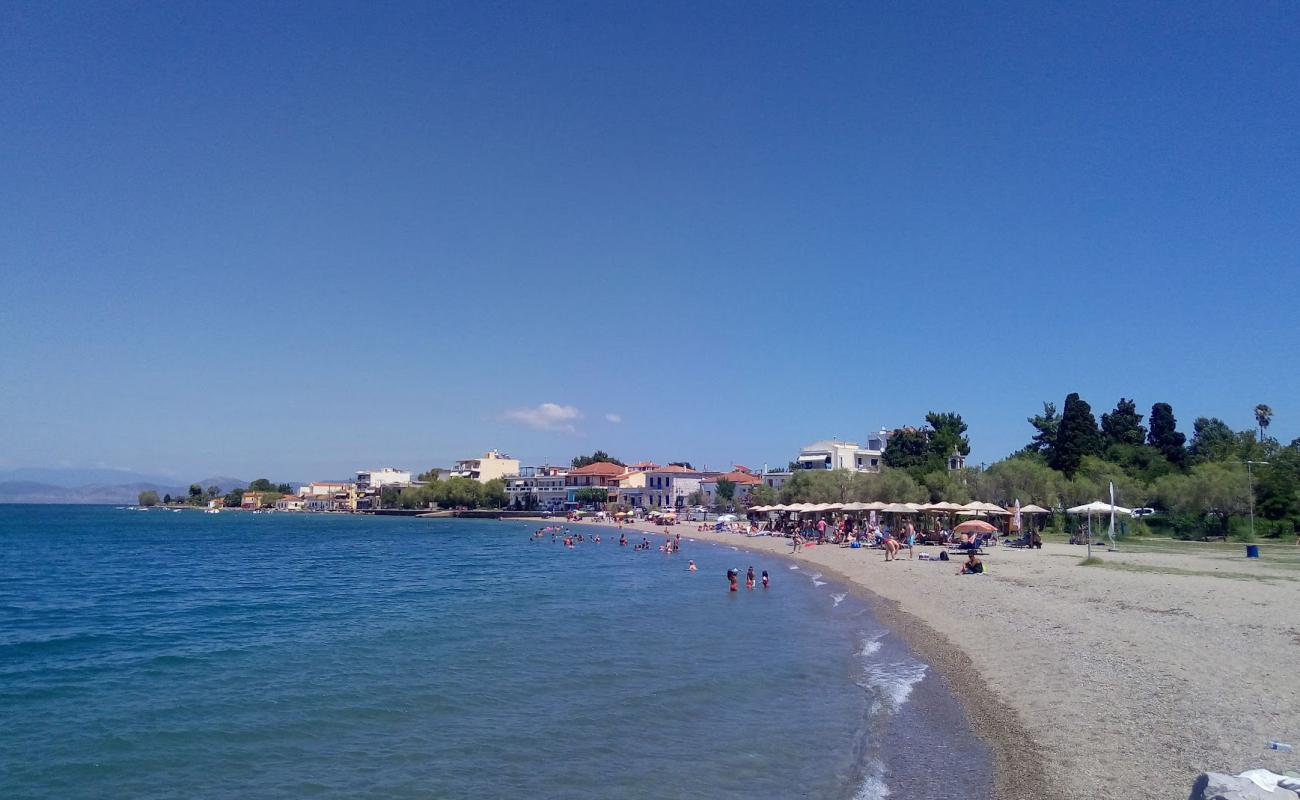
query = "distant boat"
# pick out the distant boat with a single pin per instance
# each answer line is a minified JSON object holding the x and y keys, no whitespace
{"x":212,"y":511}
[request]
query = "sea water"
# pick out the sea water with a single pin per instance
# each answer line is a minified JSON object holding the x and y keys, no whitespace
{"x":163,"y":655}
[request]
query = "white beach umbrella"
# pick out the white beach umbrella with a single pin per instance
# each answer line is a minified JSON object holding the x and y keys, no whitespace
{"x":898,"y":508}
{"x":1096,"y":507}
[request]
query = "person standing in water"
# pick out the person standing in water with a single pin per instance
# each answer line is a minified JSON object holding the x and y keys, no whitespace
{"x":765,"y":579}
{"x":690,"y":566}
{"x":749,"y":579}
{"x":733,"y":576}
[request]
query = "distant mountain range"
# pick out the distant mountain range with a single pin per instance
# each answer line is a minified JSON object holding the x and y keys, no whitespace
{"x":94,"y":485}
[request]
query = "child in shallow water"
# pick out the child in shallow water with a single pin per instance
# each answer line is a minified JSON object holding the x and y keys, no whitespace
{"x":765,"y":579}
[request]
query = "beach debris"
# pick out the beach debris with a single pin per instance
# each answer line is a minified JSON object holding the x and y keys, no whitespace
{"x":1255,"y":784}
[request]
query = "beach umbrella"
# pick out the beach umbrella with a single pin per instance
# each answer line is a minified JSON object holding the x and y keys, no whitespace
{"x":1098,"y":507}
{"x":898,"y":508}
{"x":987,"y":508}
{"x":975,"y":526}
{"x":856,"y":507}
{"x":1033,"y":509}
{"x":874,"y":505}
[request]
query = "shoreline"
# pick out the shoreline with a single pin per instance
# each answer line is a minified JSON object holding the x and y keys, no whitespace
{"x":1018,"y":772}
{"x":1128,"y":678}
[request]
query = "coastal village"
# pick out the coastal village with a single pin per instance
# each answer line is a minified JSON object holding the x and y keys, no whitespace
{"x":638,"y":487}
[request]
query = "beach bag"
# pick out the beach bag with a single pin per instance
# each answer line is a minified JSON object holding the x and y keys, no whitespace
{"x":943,"y":555}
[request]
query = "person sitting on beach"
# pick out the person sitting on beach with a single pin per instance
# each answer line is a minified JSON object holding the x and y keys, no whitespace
{"x":973,"y":566}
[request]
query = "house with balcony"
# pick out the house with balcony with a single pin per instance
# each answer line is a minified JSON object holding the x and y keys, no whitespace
{"x":670,"y":486}
{"x":839,"y":454}
{"x":538,"y":488}
{"x":491,"y":465}
{"x":599,"y":475}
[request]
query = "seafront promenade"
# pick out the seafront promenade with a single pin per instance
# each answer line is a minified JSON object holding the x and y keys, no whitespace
{"x":1121,"y":680}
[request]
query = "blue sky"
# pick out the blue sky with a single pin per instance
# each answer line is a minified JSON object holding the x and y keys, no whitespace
{"x":300,"y":239}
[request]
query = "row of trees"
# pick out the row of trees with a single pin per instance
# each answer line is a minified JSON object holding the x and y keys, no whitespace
{"x":454,"y":492}
{"x":268,"y":493}
{"x":1202,"y":486}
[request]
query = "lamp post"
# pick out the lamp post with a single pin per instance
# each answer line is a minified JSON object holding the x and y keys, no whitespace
{"x":1250,"y":487}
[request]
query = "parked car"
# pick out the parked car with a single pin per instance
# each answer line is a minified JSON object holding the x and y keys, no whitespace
{"x":1143,"y":512}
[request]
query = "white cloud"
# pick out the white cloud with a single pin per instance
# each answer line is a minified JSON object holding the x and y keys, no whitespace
{"x":614,"y":418}
{"x":546,"y":417}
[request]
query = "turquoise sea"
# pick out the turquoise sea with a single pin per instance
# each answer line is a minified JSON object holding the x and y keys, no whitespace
{"x":163,"y":655}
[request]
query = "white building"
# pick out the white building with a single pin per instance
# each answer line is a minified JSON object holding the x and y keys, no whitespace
{"x":837,"y":454}
{"x":379,"y":478}
{"x":670,"y":486}
{"x":776,"y":478}
{"x":538,"y":488}
{"x":489,"y":466}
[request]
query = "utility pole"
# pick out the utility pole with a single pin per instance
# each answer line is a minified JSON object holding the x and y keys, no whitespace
{"x":1250,"y":487}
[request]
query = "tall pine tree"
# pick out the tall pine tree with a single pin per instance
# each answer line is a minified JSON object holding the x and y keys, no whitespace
{"x":1124,"y":424}
{"x":1076,"y":436}
{"x":1164,"y":435}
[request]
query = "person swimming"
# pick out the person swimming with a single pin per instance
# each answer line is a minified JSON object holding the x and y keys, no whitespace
{"x":690,"y":567}
{"x":765,"y":579}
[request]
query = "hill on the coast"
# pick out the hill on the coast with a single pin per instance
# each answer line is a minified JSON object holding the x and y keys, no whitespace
{"x":43,"y":485}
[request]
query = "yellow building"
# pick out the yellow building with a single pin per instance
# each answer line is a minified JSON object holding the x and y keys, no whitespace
{"x":489,"y":466}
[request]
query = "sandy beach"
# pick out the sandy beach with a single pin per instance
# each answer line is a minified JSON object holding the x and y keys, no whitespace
{"x":1121,"y":680}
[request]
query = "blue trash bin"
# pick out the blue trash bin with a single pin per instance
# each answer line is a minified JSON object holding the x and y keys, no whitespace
{"x":1252,"y":551}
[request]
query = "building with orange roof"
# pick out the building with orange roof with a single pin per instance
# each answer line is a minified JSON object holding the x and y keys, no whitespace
{"x":744,"y":484}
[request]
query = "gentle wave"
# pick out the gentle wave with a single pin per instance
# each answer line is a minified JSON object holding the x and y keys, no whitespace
{"x":873,"y":783}
{"x":838,"y":598}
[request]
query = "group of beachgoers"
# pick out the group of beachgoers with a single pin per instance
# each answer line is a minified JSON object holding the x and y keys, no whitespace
{"x":733,"y":578}
{"x":562,"y":535}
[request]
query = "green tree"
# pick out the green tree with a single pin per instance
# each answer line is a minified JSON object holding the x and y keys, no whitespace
{"x":429,"y":475}
{"x":764,"y":495}
{"x":1263,"y":416}
{"x":947,"y":433}
{"x":388,"y":496}
{"x":147,"y":498}
{"x":213,"y":491}
{"x":1164,"y":435}
{"x":196,"y":490}
{"x":593,"y":495}
{"x":1046,"y":424}
{"x":1025,"y":478}
{"x":726,"y":491}
{"x":261,"y":485}
{"x":1212,"y":440}
{"x":456,"y":492}
{"x":1212,"y":492}
{"x":1076,"y":436}
{"x":685,"y":464}
{"x":909,"y":449}
{"x":167,"y":499}
{"x":1123,"y":426}
{"x":600,"y":456}
{"x":493,"y":494}
{"x":1277,"y":485}
{"x":284,"y":488}
{"x":233,"y":498}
